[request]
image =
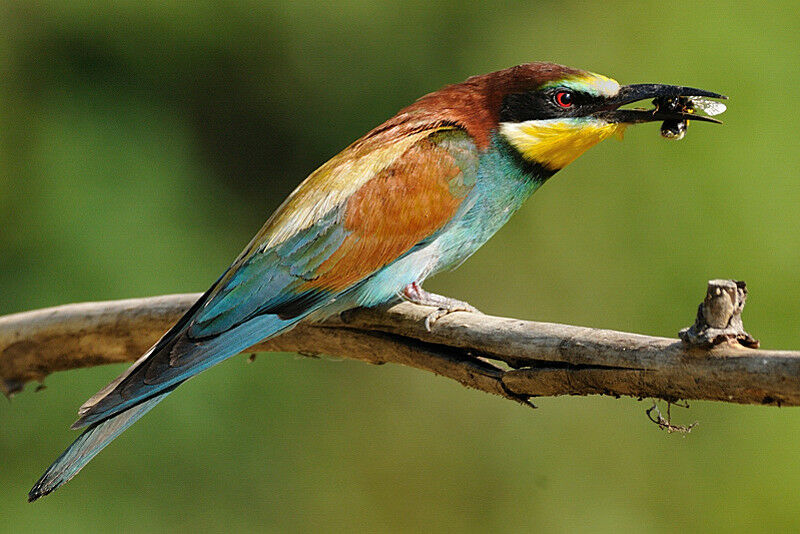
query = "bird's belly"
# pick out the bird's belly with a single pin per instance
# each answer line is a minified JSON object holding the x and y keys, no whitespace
{"x":461,"y":241}
{"x":457,"y":243}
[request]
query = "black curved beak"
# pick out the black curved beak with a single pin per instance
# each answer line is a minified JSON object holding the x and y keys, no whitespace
{"x":661,"y":95}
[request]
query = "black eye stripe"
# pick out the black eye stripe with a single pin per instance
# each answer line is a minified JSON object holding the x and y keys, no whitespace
{"x":543,"y":104}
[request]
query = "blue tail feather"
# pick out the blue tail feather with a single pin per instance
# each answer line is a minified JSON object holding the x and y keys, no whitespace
{"x":88,"y":444}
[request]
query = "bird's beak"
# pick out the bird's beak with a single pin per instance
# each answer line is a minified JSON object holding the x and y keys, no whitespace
{"x":662,"y":95}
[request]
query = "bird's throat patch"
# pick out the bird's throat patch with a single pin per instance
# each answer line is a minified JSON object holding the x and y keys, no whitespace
{"x":555,"y":143}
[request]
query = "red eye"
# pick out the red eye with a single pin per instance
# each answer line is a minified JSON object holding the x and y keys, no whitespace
{"x":564,"y":99}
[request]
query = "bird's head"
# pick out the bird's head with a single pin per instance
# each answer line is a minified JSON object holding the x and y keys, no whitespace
{"x":551,"y":114}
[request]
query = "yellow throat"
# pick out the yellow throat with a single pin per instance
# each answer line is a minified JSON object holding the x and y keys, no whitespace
{"x":554,"y":143}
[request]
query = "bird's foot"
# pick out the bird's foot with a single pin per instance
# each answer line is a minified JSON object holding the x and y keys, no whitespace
{"x":413,"y":292}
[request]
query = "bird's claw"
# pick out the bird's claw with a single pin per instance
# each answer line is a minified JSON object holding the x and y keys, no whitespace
{"x":444,"y":305}
{"x":440,"y":312}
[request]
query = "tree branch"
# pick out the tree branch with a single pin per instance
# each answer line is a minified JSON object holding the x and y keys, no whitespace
{"x":508,"y":357}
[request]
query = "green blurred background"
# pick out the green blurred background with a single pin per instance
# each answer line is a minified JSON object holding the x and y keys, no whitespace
{"x":142,"y":144}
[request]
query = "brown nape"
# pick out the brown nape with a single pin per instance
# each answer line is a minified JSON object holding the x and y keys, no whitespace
{"x":475,"y":103}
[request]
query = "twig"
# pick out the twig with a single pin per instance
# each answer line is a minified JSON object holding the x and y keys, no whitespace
{"x":532,"y":359}
{"x":666,"y":424}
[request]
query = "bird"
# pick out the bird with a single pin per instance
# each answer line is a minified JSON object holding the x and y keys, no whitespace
{"x":416,"y":195}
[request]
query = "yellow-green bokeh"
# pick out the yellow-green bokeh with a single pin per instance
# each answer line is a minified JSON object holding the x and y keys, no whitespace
{"x":143,"y":143}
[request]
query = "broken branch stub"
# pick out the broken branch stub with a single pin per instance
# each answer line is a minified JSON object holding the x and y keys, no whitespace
{"x":719,"y":317}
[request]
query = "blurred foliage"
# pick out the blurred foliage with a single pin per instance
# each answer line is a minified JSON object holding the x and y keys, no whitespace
{"x":143,"y":143}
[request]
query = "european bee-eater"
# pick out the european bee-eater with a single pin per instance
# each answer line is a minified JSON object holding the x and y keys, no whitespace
{"x":418,"y":194}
